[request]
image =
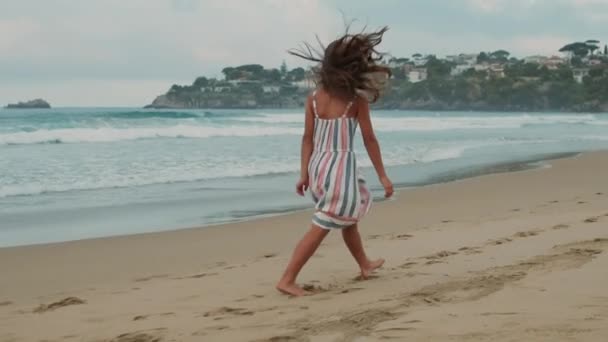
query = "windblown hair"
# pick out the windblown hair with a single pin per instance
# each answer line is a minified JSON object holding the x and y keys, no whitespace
{"x":349,"y":65}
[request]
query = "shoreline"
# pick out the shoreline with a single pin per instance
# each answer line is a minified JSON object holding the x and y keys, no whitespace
{"x":485,"y":258}
{"x":449,"y":177}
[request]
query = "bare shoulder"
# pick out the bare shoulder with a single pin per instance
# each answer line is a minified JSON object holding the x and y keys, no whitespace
{"x":361,"y":105}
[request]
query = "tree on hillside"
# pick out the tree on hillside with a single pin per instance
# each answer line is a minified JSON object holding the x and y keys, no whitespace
{"x":200,"y":82}
{"x":175,"y":88}
{"x":483,"y":58}
{"x":579,"y":49}
{"x":273,"y":75}
{"x":437,"y":68}
{"x":284,"y":69}
{"x":296,"y":75}
{"x":231,"y":73}
{"x":252,"y":68}
{"x":606,"y":50}
{"x":500,"y":55}
{"x":592,"y":45}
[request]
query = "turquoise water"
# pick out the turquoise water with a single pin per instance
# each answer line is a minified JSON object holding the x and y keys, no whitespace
{"x":78,"y":173}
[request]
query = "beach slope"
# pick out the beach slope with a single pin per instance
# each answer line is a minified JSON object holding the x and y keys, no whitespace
{"x":520,"y":256}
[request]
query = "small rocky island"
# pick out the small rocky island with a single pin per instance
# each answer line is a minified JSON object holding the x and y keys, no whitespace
{"x":33,"y":104}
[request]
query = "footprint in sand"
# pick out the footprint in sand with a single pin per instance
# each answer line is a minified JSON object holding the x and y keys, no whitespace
{"x":591,"y":219}
{"x":470,"y":250}
{"x":499,"y":313}
{"x":59,"y":304}
{"x":581,"y":202}
{"x":285,"y":338}
{"x":270,"y":255}
{"x":561,"y":226}
{"x":408,"y":264}
{"x":197,"y":276}
{"x":500,"y":241}
{"x":402,"y":237}
{"x":148,"y":278}
{"x":6,"y":303}
{"x":143,"y":317}
{"x":138,"y":337}
{"x":353,"y":289}
{"x":314,"y":288}
{"x":225,"y":310}
{"x":440,"y":255}
{"x":526,"y":234}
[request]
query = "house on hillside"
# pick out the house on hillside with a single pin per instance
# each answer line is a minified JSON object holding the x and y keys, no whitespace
{"x":481,"y":66}
{"x":459,"y":69}
{"x":420,"y":61}
{"x":553,"y":62}
{"x":417,"y":75}
{"x":308,"y":83}
{"x":496,"y":70}
{"x":397,"y":62}
{"x":536,"y":59}
{"x":579,"y":74}
{"x":271,"y":89}
{"x":240,"y":82}
{"x":463,"y":63}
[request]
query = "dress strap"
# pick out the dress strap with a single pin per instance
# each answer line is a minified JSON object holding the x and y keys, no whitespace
{"x":314,"y":103}
{"x":350,"y":104}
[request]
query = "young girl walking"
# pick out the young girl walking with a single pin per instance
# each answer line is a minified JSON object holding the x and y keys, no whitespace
{"x":347,"y":81}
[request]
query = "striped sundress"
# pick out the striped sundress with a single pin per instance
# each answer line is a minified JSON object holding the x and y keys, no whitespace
{"x":338,"y":190}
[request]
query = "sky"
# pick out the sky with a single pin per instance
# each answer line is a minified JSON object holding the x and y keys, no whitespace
{"x":125,"y":52}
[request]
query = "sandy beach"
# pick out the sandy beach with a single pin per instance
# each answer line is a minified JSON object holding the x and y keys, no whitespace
{"x":520,"y":256}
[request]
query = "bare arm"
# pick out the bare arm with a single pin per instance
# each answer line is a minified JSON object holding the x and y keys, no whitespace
{"x":371,"y":144}
{"x":307,"y":146}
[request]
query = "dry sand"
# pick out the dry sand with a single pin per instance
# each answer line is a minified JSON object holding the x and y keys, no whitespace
{"x":519,"y":256}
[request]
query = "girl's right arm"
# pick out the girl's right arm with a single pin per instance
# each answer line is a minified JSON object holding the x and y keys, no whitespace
{"x":307,"y":147}
{"x":371,"y":145}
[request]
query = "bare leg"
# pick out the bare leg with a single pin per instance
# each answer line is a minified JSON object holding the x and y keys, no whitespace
{"x":352,"y":238}
{"x":304,"y":250}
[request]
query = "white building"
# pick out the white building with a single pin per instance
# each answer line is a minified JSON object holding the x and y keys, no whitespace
{"x":459,"y":69}
{"x":397,"y":62}
{"x":482,"y":67}
{"x":220,"y":89}
{"x":497,"y":70}
{"x":417,"y":75}
{"x":420,"y":61}
{"x":241,"y":81}
{"x":553,"y":62}
{"x":579,"y":74}
{"x":536,"y":59}
{"x":271,"y":88}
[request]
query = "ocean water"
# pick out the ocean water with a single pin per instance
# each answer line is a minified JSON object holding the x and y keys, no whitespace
{"x":75,"y":173}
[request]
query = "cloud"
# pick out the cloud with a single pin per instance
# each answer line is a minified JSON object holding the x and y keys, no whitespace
{"x":74,"y":43}
{"x":145,"y":39}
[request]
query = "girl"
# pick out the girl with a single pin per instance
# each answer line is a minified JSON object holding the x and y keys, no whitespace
{"x":329,"y":167}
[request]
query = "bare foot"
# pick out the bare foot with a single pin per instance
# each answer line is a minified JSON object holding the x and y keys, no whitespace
{"x":292,"y":290}
{"x":372,"y":266}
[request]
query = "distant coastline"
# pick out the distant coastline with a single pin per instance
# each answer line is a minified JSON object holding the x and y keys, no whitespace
{"x":488,"y":81}
{"x":32,"y":104}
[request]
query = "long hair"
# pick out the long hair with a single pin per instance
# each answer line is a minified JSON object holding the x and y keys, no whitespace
{"x":350,"y":64}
